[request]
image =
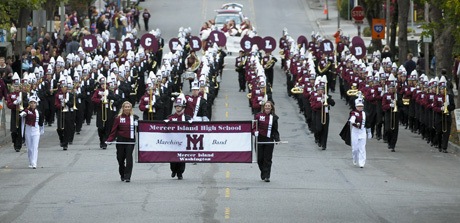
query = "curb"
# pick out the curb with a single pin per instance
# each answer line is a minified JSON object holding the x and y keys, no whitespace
{"x":454,"y":147}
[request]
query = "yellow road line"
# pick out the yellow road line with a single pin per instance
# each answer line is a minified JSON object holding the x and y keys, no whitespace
{"x":227,"y":192}
{"x":227,"y":213}
{"x":227,"y":174}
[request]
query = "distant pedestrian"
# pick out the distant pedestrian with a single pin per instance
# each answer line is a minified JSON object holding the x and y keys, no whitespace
{"x":146,"y":16}
{"x":410,"y":64}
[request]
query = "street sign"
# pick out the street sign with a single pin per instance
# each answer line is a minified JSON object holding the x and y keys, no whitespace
{"x":358,"y":13}
{"x":427,"y":39}
{"x":378,"y":28}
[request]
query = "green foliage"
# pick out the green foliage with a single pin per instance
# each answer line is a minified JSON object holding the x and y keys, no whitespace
{"x":344,"y":10}
{"x":367,"y":32}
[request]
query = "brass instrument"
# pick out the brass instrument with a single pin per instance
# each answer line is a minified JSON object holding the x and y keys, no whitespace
{"x":63,"y":111}
{"x":103,"y":103}
{"x":249,"y":95}
{"x":269,"y":64}
{"x":18,"y":109}
{"x":282,"y":54}
{"x":406,"y":101}
{"x":335,"y":58}
{"x":325,"y":105}
{"x":352,"y":92}
{"x":393,"y":113}
{"x":445,"y":112}
{"x":297,"y":90}
{"x":321,"y":71}
{"x":150,"y":112}
{"x":75,"y":99}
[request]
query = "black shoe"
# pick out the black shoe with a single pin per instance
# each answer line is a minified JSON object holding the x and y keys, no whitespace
{"x":444,"y":150}
{"x":64,"y":148}
{"x":127,"y":180}
{"x":78,"y":133}
{"x":173,"y":174}
{"x":87,"y":123}
{"x":122,"y":178}
{"x":179,"y":176}
{"x":393,"y":150}
{"x":439,"y":149}
{"x":49,"y":124}
{"x":17,"y":150}
{"x":267,"y":179}
{"x":324,"y":148}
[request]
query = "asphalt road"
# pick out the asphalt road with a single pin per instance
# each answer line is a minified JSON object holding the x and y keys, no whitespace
{"x":414,"y":184}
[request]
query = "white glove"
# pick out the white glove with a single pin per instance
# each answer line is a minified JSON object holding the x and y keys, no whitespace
{"x":18,"y":101}
{"x":146,"y":99}
{"x":22,"y":114}
{"x":392,"y":105}
{"x":442,"y":108}
{"x":166,"y":120}
{"x":136,"y":123}
{"x":190,"y":121}
{"x":256,"y":133}
{"x":101,"y":93}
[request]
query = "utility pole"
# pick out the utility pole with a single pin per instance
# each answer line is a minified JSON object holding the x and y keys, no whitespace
{"x":427,"y":49}
{"x":339,"y":6}
{"x":388,"y":22}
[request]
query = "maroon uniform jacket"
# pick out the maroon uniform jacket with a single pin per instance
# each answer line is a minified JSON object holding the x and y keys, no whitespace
{"x":267,"y":126}
{"x":123,"y":126}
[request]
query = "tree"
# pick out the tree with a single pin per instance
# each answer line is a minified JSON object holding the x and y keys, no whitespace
{"x":403,"y":8}
{"x":373,"y":9}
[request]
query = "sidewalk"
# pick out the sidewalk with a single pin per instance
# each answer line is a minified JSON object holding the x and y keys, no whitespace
{"x":327,"y":27}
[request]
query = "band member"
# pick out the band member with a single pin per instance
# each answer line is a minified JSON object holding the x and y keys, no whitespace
{"x":358,"y":133}
{"x":16,"y":101}
{"x":79,"y":104}
{"x":320,"y":105}
{"x":389,"y":107}
{"x":179,"y":116}
{"x":444,"y":104}
{"x":266,"y":133}
{"x":123,"y":130}
{"x":196,"y":105}
{"x":268,"y":62}
{"x":64,"y":102}
{"x":240,"y":62}
{"x":88,"y":85}
{"x":33,"y":128}
{"x":106,"y":101}
{"x":150,"y":104}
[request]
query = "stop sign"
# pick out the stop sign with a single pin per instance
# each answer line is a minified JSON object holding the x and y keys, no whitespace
{"x":357,"y":13}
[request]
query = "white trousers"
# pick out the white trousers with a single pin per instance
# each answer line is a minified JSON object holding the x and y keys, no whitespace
{"x":32,"y":140}
{"x":358,"y":150}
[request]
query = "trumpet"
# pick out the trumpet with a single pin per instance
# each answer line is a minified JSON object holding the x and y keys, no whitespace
{"x":282,"y":54}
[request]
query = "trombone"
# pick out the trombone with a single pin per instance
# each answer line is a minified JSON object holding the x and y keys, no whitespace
{"x":445,"y":112}
{"x":324,"y":107}
{"x":103,"y":105}
{"x":393,"y":113}
{"x":18,"y":109}
{"x":63,"y":111}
